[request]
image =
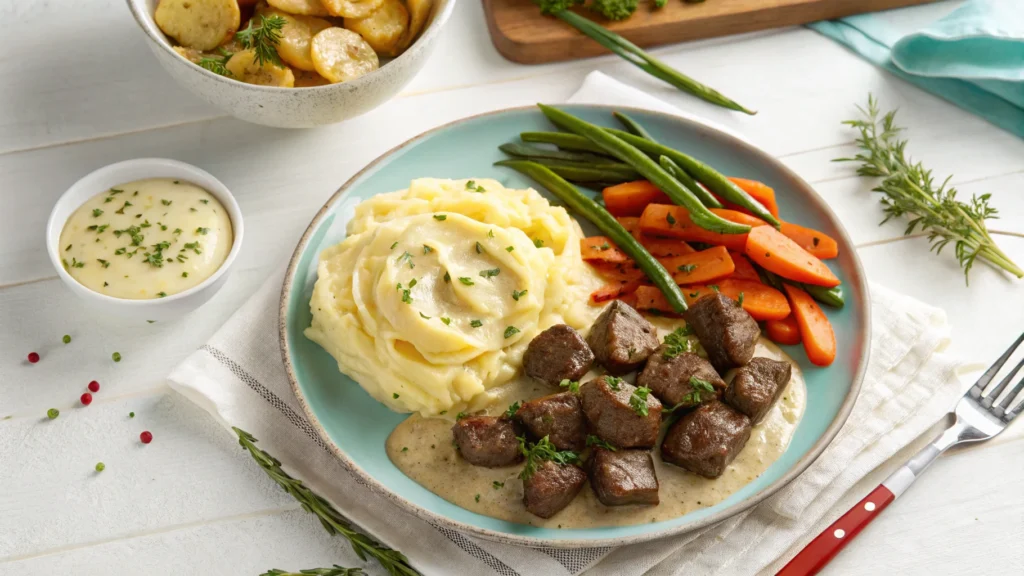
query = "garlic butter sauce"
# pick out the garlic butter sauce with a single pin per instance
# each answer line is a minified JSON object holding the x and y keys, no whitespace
{"x":146,"y":239}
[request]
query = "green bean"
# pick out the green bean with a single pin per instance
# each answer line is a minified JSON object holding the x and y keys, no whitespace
{"x":828,"y":296}
{"x":583,"y":174}
{"x":650,"y":169}
{"x":686,"y":180}
{"x":562,"y":140}
{"x":527,"y":151}
{"x":633,"y":126}
{"x":705,"y":174}
{"x":607,"y":224}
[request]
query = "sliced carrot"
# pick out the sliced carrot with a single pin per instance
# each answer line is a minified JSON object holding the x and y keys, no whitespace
{"x":650,"y":298}
{"x":674,"y":222}
{"x":760,"y":301}
{"x":744,"y":269}
{"x":601,"y":249}
{"x":739,"y":217}
{"x":774,"y":252}
{"x":629,"y":299}
{"x":630,"y":198}
{"x":815,"y":330}
{"x":758,"y":191}
{"x":703,"y":266}
{"x":817,"y":243}
{"x":658,"y":247}
{"x":783,"y":331}
{"x":615,"y":290}
{"x":618,"y":272}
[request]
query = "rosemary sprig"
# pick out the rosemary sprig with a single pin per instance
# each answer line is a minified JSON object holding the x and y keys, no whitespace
{"x":263,"y":38}
{"x":392,"y":560}
{"x":216,"y":64}
{"x":334,"y":571}
{"x":908,"y":189}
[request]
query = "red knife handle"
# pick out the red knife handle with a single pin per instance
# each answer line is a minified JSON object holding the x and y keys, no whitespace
{"x":817,"y":554}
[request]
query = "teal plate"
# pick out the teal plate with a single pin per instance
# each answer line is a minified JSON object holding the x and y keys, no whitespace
{"x":356,"y":426}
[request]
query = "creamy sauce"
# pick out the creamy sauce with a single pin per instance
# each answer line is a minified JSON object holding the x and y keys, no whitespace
{"x":146,"y":239}
{"x":424,"y":450}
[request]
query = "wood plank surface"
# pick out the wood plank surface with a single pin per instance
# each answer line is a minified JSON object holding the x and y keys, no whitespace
{"x":523,"y":35}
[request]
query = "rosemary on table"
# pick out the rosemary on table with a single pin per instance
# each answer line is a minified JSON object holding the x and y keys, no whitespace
{"x":335,"y":571}
{"x":908,"y":189}
{"x":392,"y":560}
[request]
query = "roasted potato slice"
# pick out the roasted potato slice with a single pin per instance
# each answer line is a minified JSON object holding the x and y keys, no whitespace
{"x":190,"y":54}
{"x":352,"y":8}
{"x":305,"y":79}
{"x":202,"y":25}
{"x":419,"y":12}
{"x":304,"y":7}
{"x":244,"y":68}
{"x":341,"y":55}
{"x":383,"y":29}
{"x":296,"y":35}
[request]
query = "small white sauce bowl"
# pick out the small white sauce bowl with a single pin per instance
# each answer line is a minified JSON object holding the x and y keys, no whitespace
{"x":156,"y":309}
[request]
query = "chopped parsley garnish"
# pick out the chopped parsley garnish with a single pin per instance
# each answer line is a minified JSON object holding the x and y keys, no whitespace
{"x":103,"y":262}
{"x":67,"y":248}
{"x":638,"y":400}
{"x":96,"y":212}
{"x":424,"y":316}
{"x":406,"y":292}
{"x":477,"y":497}
{"x":613,"y":382}
{"x":472,"y":186}
{"x":687,"y":268}
{"x":184,"y":274}
{"x":77,"y":264}
{"x":479,"y":248}
{"x":517,"y":294}
{"x":447,"y":321}
{"x":511,"y":331}
{"x":460,"y":416}
{"x":595,"y":441}
{"x":668,"y":218}
{"x":161,"y":294}
{"x":497,"y":485}
{"x":678,"y":342}
{"x":466,"y":280}
{"x":395,"y":395}
{"x":740,"y":300}
{"x":407,"y":258}
{"x":192,"y":210}
{"x":694,"y":294}
{"x":393,"y":245}
{"x":698,"y":388}
{"x":121,"y":209}
{"x":509,"y":248}
{"x":176,"y":231}
{"x":447,"y":277}
{"x":165,"y":202}
{"x":427,"y":249}
{"x":572,"y":385}
{"x":490,"y":233}
{"x":114,"y":191}
{"x":605,"y":246}
{"x":202,"y":231}
{"x":512,"y":409}
{"x":476,"y":323}
{"x":440,"y":217}
{"x":204,"y":201}
{"x":714,"y":287}
{"x":490,"y":273}
{"x":538,"y":242}
{"x":537,"y":452}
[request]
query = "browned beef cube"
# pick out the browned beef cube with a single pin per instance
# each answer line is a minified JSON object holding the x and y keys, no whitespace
{"x":724,"y":329}
{"x":706,"y":440}
{"x":757,"y":386}
{"x":623,"y":477}
{"x":552,"y":487}
{"x":487,"y":441}
{"x":612,"y":418}
{"x":621,"y":338}
{"x":676,"y":380}
{"x":559,"y":417}
{"x":556,"y":354}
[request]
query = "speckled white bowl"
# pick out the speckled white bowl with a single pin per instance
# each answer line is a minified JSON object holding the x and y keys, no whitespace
{"x":293,"y":107}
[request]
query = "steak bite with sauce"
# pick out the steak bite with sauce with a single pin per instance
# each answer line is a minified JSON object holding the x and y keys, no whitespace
{"x":623,"y":477}
{"x":487,"y":441}
{"x":678,"y":380}
{"x":615,"y":411}
{"x":725,"y":330}
{"x":551,"y":487}
{"x":556,"y":354}
{"x":559,"y":417}
{"x":621,"y":338}
{"x":706,"y":440}
{"x":757,"y":386}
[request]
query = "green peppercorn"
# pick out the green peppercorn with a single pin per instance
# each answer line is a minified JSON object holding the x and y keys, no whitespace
{"x":52,"y":413}
{"x":100,"y":466}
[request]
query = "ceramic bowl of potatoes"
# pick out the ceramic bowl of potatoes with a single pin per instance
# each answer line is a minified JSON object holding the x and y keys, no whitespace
{"x":292,"y":63}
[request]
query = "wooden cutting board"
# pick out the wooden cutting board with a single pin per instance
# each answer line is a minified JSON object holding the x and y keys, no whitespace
{"x":522,"y":34}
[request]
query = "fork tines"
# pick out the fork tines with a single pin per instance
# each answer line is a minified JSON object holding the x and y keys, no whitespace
{"x":987,"y":401}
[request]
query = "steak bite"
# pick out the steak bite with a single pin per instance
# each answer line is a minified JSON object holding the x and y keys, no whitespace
{"x":615,"y":412}
{"x":757,"y":386}
{"x":552,"y":487}
{"x":559,"y":417}
{"x":623,"y":477}
{"x":706,"y":440}
{"x":725,"y":330}
{"x":556,"y":354}
{"x":679,"y":380}
{"x":621,"y":338}
{"x":487,"y":441}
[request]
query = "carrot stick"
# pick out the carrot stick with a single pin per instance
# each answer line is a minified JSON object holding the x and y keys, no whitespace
{"x":703,"y":266}
{"x":669,"y":221}
{"x":758,"y":191}
{"x":760,"y":301}
{"x":744,"y":269}
{"x":815,"y":329}
{"x":774,"y":252}
{"x":649,"y":298}
{"x":658,"y":247}
{"x":615,"y":290}
{"x":601,"y":249}
{"x":739,"y":217}
{"x":785,"y":331}
{"x":630,"y":198}
{"x":817,"y":243}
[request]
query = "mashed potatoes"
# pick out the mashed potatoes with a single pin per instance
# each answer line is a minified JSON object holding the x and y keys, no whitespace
{"x":434,"y":295}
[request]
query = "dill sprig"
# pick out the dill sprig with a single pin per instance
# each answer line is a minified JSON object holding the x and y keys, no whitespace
{"x":333,"y":571}
{"x":392,"y":560}
{"x":217,"y":64}
{"x":263,"y":38}
{"x":908,"y":189}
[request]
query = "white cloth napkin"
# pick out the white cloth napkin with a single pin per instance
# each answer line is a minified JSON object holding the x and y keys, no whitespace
{"x":238,"y":378}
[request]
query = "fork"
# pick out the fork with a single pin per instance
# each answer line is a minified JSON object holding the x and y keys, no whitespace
{"x":978,"y":417}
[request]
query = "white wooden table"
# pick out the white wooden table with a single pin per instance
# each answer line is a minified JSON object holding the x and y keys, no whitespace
{"x":80,"y":90}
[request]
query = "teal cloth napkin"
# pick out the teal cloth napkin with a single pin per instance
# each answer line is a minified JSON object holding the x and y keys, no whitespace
{"x":971,"y":55}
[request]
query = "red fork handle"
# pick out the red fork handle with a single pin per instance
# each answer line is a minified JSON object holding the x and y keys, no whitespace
{"x":822,"y":549}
